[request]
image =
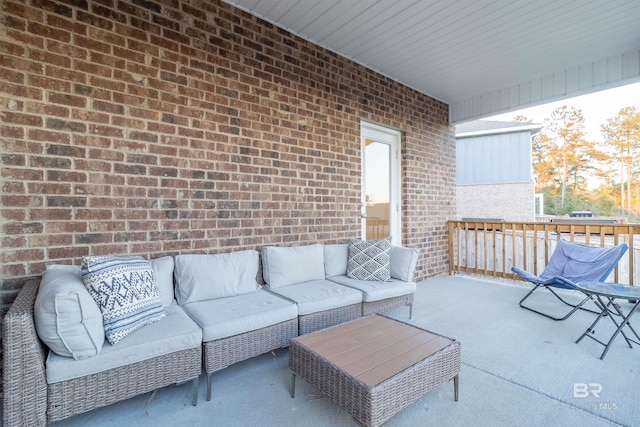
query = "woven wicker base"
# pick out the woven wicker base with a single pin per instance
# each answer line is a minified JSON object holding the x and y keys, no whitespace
{"x":372,"y":406}
{"x":219,"y":354}
{"x":316,"y":321}
{"x":78,"y":395}
{"x":24,"y":381}
{"x":385,"y":305}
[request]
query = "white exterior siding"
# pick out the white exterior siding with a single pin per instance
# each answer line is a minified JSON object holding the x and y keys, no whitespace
{"x":605,"y":73}
{"x":497,"y":158}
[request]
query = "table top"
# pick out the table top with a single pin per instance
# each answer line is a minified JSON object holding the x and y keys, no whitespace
{"x":613,"y":290}
{"x":374,"y":348}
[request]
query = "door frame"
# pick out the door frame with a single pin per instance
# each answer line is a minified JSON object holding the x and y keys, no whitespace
{"x":392,"y":137}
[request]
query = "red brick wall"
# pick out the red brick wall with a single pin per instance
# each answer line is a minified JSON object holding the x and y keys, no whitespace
{"x":165,"y":127}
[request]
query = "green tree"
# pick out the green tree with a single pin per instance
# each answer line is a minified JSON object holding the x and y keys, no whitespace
{"x":573,"y":202}
{"x":545,"y":171}
{"x":562,"y":156}
{"x":622,"y":139}
{"x":604,"y":200}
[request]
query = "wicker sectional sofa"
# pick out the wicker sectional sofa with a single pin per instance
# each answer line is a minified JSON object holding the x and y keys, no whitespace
{"x":217,"y":314}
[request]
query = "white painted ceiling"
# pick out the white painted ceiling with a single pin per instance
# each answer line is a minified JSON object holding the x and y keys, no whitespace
{"x":481,"y":57}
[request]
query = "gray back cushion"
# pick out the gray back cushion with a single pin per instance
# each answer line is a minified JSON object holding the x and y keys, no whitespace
{"x":335,"y":259}
{"x":67,"y":318}
{"x":201,"y":277}
{"x":163,"y":271}
{"x":403,"y":262}
{"x":283,"y":266}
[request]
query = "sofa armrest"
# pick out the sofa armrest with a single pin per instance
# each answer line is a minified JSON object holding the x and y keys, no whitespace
{"x":23,"y":369}
{"x":403,"y":263}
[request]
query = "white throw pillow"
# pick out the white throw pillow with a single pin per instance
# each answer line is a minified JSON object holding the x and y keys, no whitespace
{"x":282,"y":266}
{"x":201,"y":277}
{"x":67,"y":318}
{"x":370,"y":260}
{"x":126,"y":291}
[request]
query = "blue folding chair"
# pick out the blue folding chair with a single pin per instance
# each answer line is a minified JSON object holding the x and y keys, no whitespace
{"x":569,"y":264}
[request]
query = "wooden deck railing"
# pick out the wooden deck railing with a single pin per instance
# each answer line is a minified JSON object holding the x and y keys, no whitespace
{"x":492,"y":248}
{"x":377,"y":228}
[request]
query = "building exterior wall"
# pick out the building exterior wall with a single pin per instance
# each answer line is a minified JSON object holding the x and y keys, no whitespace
{"x":188,"y":126}
{"x":497,"y":158}
{"x":509,"y":201}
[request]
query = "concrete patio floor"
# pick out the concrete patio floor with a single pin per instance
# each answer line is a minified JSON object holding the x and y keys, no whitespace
{"x":518,"y":368}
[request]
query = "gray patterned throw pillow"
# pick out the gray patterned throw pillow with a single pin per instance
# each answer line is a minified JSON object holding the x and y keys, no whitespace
{"x":370,"y":260}
{"x":126,"y":291}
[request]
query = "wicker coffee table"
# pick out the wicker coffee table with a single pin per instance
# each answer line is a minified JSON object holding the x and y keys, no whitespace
{"x":375,"y":366}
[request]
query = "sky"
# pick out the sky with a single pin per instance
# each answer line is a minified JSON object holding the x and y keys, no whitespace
{"x":596,"y":108}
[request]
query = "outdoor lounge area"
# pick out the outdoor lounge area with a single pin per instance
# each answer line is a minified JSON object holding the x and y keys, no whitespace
{"x":518,"y":368}
{"x":167,"y":129}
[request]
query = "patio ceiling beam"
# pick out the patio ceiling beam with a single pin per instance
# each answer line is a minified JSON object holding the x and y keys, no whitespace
{"x":613,"y":71}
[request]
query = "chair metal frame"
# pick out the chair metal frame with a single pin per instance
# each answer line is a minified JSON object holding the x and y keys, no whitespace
{"x":545,"y":281}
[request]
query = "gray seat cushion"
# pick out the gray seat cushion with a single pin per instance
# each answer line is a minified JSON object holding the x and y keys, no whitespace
{"x":376,"y":291}
{"x":319,"y":295}
{"x":175,"y":332}
{"x":226,"y":317}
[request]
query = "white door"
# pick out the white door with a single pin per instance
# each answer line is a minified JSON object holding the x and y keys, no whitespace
{"x":380,"y":182}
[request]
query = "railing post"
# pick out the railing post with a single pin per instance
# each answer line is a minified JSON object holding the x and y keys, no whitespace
{"x":631,"y":249}
{"x":452,"y":225}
